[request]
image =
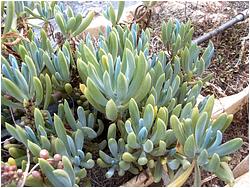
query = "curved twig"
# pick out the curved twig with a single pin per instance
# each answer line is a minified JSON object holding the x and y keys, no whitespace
{"x":25,"y":175}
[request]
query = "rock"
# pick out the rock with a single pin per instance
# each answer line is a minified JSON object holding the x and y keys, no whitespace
{"x":242,"y":181}
{"x":98,"y":22}
{"x":241,"y":168}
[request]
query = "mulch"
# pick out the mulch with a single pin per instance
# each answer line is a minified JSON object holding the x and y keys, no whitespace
{"x":97,"y":178}
{"x":230,"y":66}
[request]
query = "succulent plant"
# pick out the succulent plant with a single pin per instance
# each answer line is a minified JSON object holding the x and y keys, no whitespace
{"x":165,"y":88}
{"x":177,"y":39}
{"x":86,"y":121}
{"x":117,"y":149}
{"x":10,"y":175}
{"x":9,"y":15}
{"x":25,"y":84}
{"x":45,"y":10}
{"x":148,"y":138}
{"x":147,"y":141}
{"x":110,"y":86}
{"x":200,"y":140}
{"x":71,"y":25}
{"x":176,"y":36}
{"x":170,"y":89}
{"x":111,"y":15}
{"x":72,"y":99}
{"x":59,"y":67}
{"x":32,"y":80}
{"x":59,"y":177}
{"x":58,"y":141}
{"x":20,"y":7}
{"x":144,"y":141}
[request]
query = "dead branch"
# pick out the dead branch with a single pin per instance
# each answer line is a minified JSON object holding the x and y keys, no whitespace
{"x":25,"y":174}
{"x":208,"y":179}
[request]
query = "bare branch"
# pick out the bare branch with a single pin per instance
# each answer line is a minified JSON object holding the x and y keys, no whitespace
{"x":25,"y":174}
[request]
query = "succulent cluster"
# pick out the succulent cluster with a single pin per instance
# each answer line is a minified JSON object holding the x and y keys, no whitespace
{"x":10,"y":174}
{"x":112,"y":16}
{"x":111,"y":98}
{"x":71,"y":25}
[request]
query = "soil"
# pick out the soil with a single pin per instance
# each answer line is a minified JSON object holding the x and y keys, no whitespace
{"x":230,"y":67}
{"x":98,"y":179}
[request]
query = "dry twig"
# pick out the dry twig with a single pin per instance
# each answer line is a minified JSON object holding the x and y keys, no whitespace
{"x":218,"y":89}
{"x":243,"y":41}
{"x":208,"y":179}
{"x":25,"y":174}
{"x":8,"y":139}
{"x":33,"y":168}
